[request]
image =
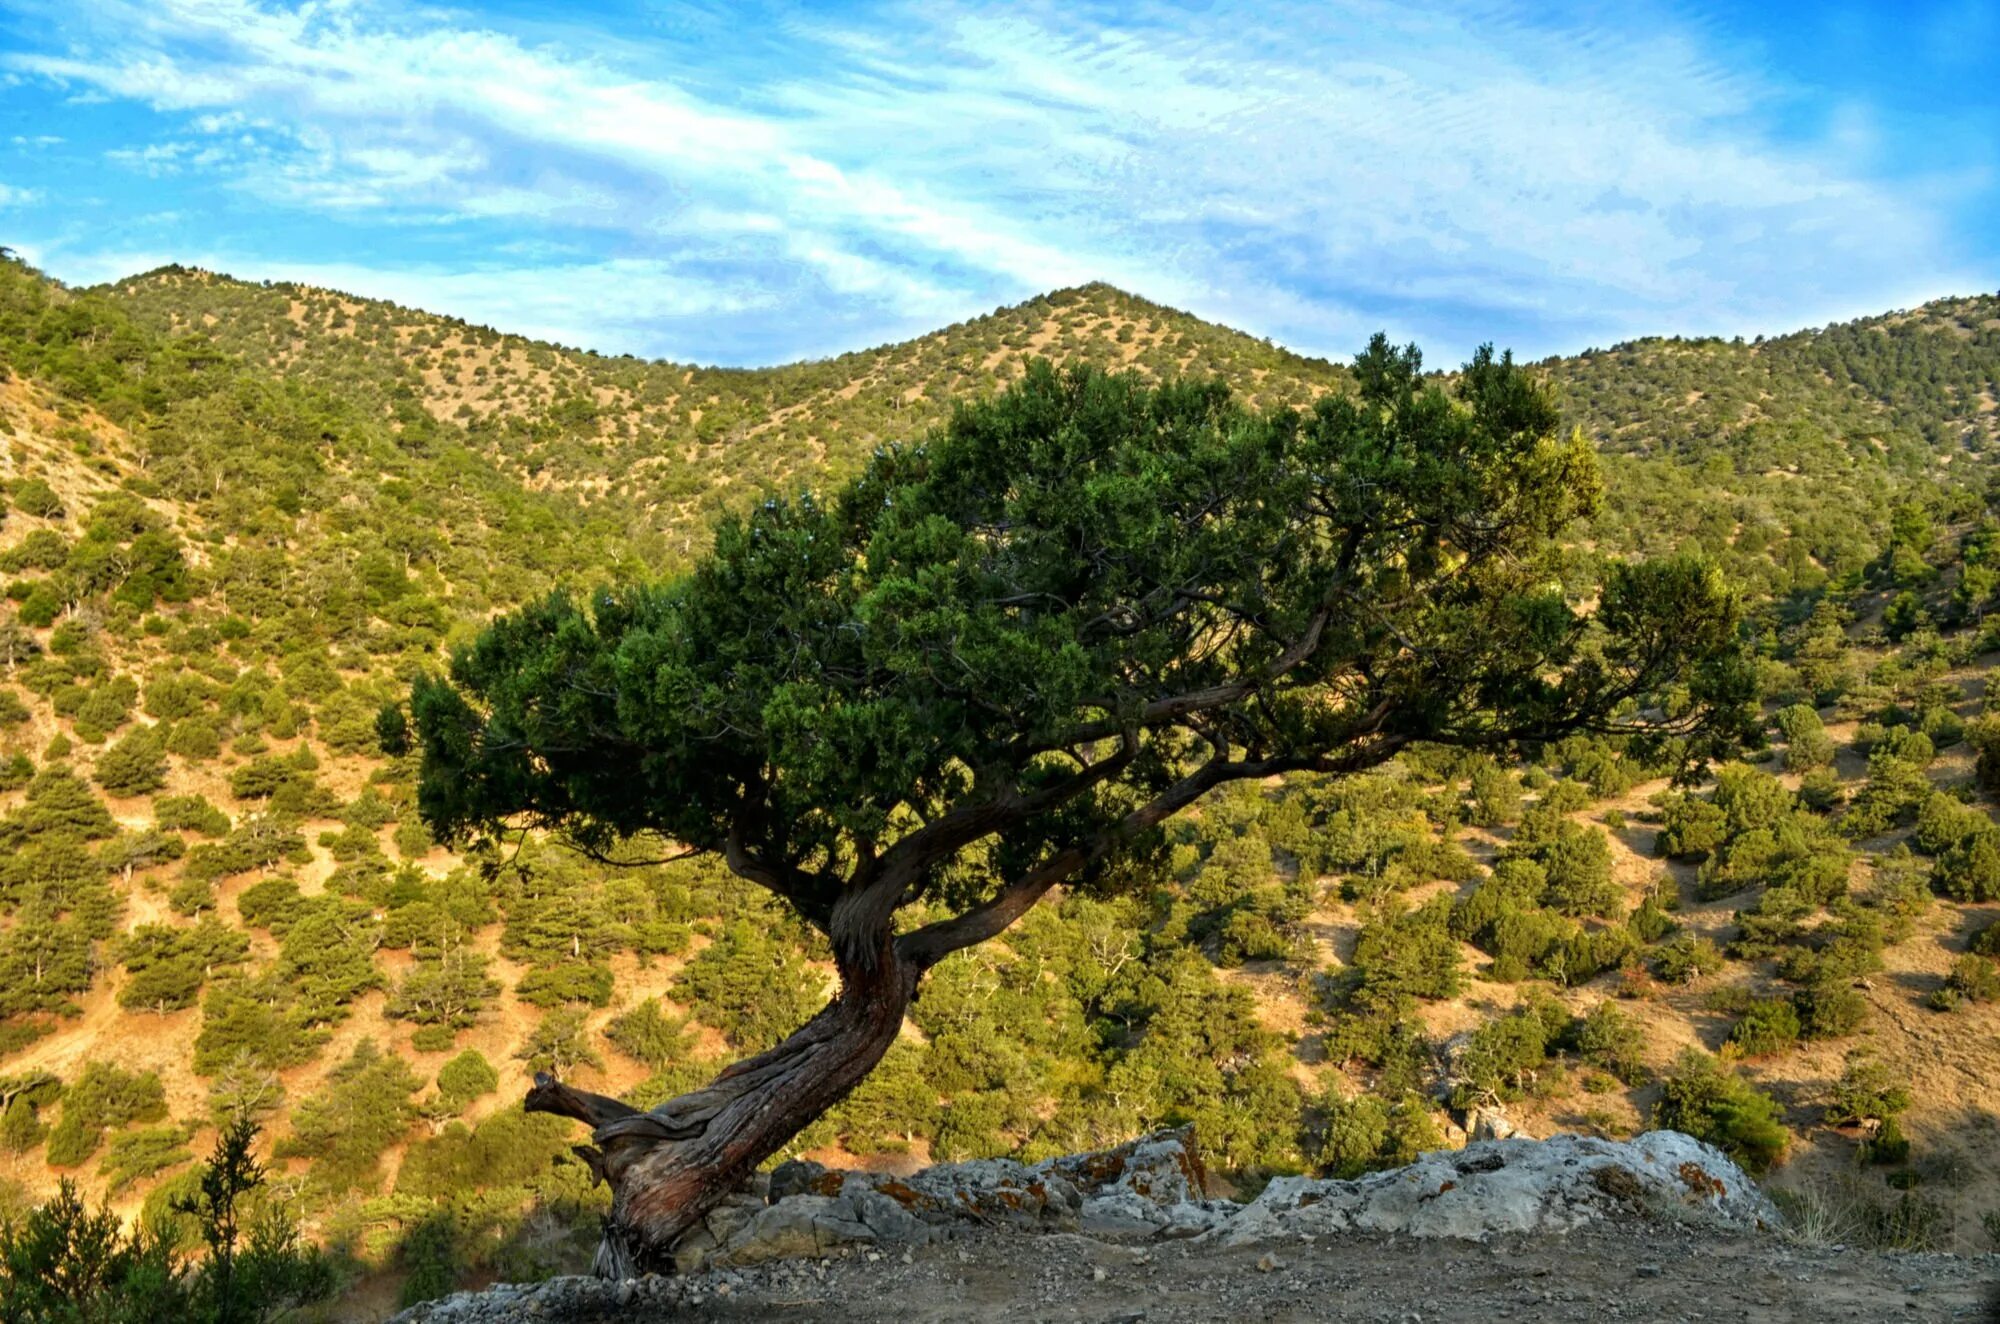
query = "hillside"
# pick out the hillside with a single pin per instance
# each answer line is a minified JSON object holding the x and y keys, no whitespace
{"x":239,"y":517}
{"x":677,"y":440}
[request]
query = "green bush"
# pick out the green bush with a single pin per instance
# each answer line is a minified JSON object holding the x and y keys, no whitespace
{"x":1766,"y":1027}
{"x":1611,"y":1039}
{"x":360,"y":1112}
{"x":101,"y":1098}
{"x":1685,"y":958}
{"x":1709,"y":1102}
{"x":1807,"y":745}
{"x":466,"y":1077}
{"x":749,"y":985}
{"x":34,"y":496}
{"x":651,"y":1037}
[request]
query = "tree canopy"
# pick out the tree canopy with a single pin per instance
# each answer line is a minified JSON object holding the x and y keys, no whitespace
{"x":1066,"y":615}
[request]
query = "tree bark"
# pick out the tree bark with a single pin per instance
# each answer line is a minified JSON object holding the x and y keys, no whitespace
{"x":668,"y":1167}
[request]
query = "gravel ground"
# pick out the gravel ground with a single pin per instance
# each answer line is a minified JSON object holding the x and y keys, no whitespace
{"x":1652,"y":1273}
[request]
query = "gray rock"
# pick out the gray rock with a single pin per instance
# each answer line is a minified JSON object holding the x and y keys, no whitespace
{"x":1485,"y":1123}
{"x":794,"y":1177}
{"x":793,"y":1228}
{"x":1503,"y":1186}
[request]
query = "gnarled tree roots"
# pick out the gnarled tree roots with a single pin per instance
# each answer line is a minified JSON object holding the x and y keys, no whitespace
{"x":668,"y":1167}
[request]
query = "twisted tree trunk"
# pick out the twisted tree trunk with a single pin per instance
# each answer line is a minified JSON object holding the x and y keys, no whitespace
{"x":668,"y":1167}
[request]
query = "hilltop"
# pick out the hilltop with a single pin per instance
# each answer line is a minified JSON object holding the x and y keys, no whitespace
{"x":240,"y":517}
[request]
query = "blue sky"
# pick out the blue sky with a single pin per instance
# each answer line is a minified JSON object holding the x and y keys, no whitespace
{"x":749,"y":183}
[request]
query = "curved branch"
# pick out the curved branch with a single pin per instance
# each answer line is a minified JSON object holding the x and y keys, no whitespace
{"x":549,"y":1095}
{"x":863,"y":916}
{"x":927,"y":946}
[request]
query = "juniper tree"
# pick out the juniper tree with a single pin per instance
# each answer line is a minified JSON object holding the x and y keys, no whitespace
{"x":996,"y":662}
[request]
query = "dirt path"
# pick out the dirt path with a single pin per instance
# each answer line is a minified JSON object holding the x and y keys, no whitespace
{"x":1648,"y":1274}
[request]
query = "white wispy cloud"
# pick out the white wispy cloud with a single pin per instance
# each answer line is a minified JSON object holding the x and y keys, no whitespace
{"x":1311,"y":171}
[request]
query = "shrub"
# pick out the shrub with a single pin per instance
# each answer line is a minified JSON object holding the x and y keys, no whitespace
{"x":1686,"y":958}
{"x":138,"y":1155}
{"x":1362,"y":1133}
{"x":135,"y":765}
{"x":363,"y":1108}
{"x":754,"y":988}
{"x":190,"y":812}
{"x":1766,"y":1027}
{"x":1888,"y":1146}
{"x":1611,"y":1039}
{"x":102,"y":1097}
{"x":431,"y":1258}
{"x":651,"y":1037}
{"x":1712,"y":1103}
{"x":63,"y":1263}
{"x":1503,"y":1057}
{"x":1972,"y":979}
{"x":1807,"y":745}
{"x":33,"y":496}
{"x":466,"y":1077}
{"x":558,"y":1045}
{"x":1820,"y":790}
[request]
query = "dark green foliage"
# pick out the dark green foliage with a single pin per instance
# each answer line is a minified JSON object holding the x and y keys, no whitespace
{"x":750,"y":985}
{"x":1401,"y":955}
{"x":254,"y":1274}
{"x":448,"y":990}
{"x":1868,"y":1091}
{"x":33,"y":496}
{"x":1966,"y":844}
{"x":167,"y":966}
{"x":1830,"y":1008}
{"x":557,"y":1044}
{"x":60,"y":804}
{"x":1767,"y":1026}
{"x":1807,"y":745}
{"x":1575,"y":860}
{"x":1897,"y":786}
{"x":1494,"y":796}
{"x":968,"y":546}
{"x":466,"y":1077}
{"x":190,"y":812}
{"x":551,"y":986}
{"x":253,"y":1022}
{"x":1888,"y":1146}
{"x":62,"y":1264}
{"x":1972,"y":979}
{"x":650,"y":1036}
{"x":1686,"y":958}
{"x":1710,"y":1102}
{"x":137,"y":1155}
{"x":1752,"y":831}
{"x":362,"y":1110}
{"x":23,"y":1101}
{"x":1362,"y":1133}
{"x":256,"y":843}
{"x":100,"y":1098}
{"x":1612,"y":1040}
{"x":431,"y":1258}
{"x":1503,"y":1058}
{"x":392,"y":731}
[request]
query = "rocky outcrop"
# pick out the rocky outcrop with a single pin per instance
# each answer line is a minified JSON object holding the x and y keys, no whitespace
{"x":1152,"y":1189}
{"x":1503,"y":1186}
